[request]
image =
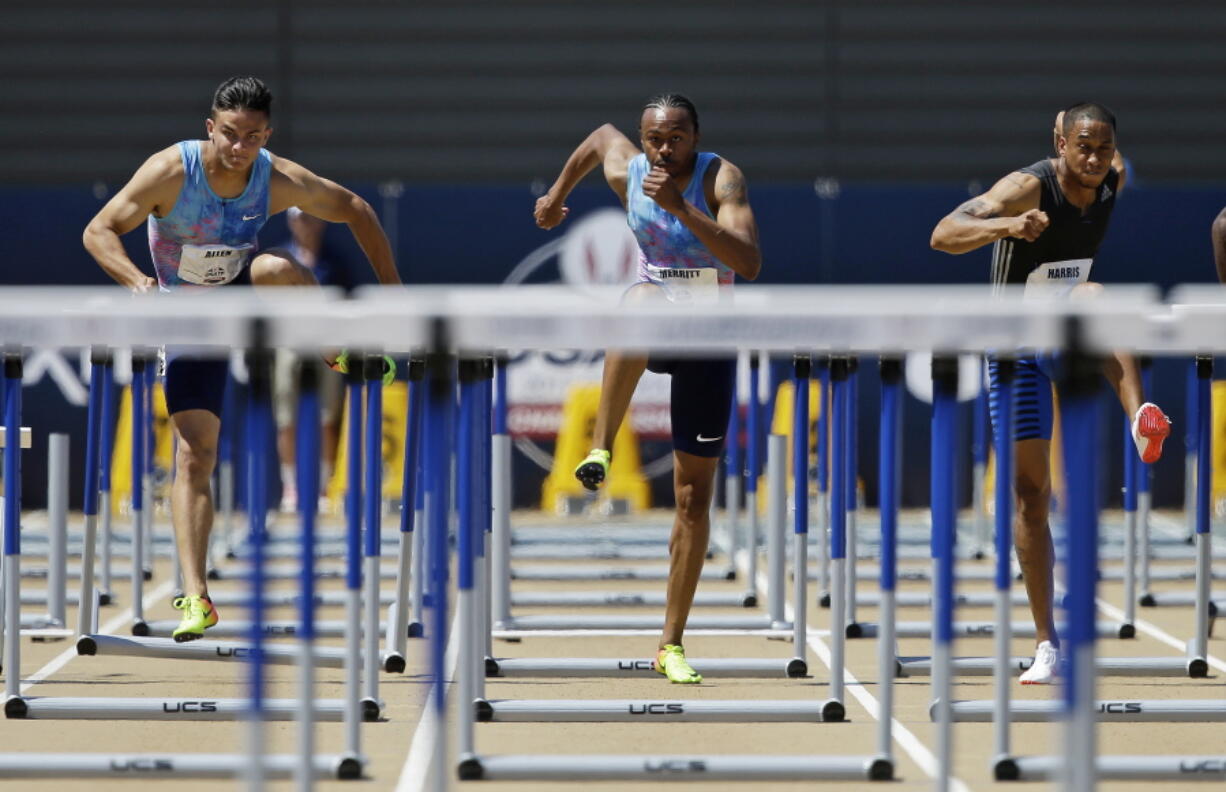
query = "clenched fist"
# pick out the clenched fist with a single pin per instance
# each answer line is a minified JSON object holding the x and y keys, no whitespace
{"x":549,"y":212}
{"x":1029,"y":225}
{"x":660,"y":187}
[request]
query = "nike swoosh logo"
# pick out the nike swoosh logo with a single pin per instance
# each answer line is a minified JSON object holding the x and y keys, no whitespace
{"x":252,"y":217}
{"x":702,"y":439}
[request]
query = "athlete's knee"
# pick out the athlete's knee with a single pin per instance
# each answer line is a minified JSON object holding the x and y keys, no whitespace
{"x":693,"y":501}
{"x":195,"y":460}
{"x":277,"y":269}
{"x":1086,"y":291}
{"x":642,"y":292}
{"x":1033,"y":498}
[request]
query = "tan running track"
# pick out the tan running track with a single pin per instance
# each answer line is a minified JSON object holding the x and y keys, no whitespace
{"x":388,"y":744}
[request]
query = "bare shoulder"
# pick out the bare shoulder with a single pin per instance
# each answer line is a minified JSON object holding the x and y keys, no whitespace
{"x":289,"y":184}
{"x":725,"y":182}
{"x":165,"y":164}
{"x":157,"y":182}
{"x":284,"y":169}
{"x":1012,"y":195}
{"x":1018,"y":182}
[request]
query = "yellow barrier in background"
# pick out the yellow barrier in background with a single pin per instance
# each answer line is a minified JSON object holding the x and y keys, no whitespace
{"x":1217,"y":450}
{"x":625,"y":480}
{"x":395,"y":411}
{"x":121,"y":454}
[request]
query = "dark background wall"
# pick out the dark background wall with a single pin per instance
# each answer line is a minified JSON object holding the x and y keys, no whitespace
{"x":858,"y":126}
{"x":490,"y":91}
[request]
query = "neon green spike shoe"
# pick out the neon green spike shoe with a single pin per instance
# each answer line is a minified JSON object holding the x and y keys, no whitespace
{"x":389,"y":366}
{"x":198,"y":615}
{"x":671,"y":662}
{"x":593,"y":469}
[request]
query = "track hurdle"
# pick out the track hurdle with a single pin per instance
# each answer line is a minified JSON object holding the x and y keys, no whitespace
{"x":146,"y":708}
{"x":1080,"y":710}
{"x":503,"y":549}
{"x":139,"y":514}
{"x":403,"y":619}
{"x":822,"y":575}
{"x":372,"y":503}
{"x":474,"y":766}
{"x":12,"y":524}
{"x":154,"y":641}
{"x":980,"y":441}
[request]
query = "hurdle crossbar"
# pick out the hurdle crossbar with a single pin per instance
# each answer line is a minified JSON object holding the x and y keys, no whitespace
{"x":765,"y":668}
{"x":1104,"y":666}
{"x":219,"y":651}
{"x":649,"y":710}
{"x":69,"y":708}
{"x":165,"y":765}
{"x":659,"y":768}
{"x":1108,"y":710}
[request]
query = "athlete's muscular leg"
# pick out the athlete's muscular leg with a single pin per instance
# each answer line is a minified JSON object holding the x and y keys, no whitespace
{"x":694,"y":484}
{"x":191,"y":499}
{"x":276,"y":268}
{"x":1122,"y":371}
{"x":1031,"y":533}
{"x":621,"y":375}
{"x":1121,"y":368}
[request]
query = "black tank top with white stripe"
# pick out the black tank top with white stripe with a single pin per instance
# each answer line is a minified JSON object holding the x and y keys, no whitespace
{"x":1072,"y":235}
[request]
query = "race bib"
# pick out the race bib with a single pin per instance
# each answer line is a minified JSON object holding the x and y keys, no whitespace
{"x":1056,"y":279}
{"x":688,"y":285}
{"x":212,"y":265}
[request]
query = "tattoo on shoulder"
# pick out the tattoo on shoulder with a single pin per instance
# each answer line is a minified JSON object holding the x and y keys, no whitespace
{"x":977,"y":208}
{"x":733,"y":191}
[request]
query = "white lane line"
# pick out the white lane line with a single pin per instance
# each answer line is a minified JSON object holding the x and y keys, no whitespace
{"x":417,"y":765}
{"x":1154,"y":631}
{"x":906,"y":739}
{"x":62,"y":659}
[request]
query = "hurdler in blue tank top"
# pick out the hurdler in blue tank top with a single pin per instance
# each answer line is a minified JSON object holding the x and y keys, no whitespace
{"x":664,"y":241}
{"x":207,"y":240}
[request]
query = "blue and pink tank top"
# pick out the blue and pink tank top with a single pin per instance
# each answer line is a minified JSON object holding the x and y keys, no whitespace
{"x":207,"y":240}
{"x":670,"y":256}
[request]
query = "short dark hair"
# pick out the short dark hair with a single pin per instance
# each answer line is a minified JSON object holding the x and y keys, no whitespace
{"x":666,"y":100}
{"x":243,"y":93}
{"x":1092,"y":111}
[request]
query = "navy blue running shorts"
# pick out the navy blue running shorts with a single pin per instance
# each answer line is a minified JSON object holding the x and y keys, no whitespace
{"x":196,"y":380}
{"x":1032,"y":396}
{"x":700,"y":401}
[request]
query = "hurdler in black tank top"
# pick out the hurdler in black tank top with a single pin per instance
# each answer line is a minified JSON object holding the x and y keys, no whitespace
{"x":1071,"y":234}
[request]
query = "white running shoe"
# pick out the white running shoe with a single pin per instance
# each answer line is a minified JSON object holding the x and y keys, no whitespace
{"x":1045,"y":668}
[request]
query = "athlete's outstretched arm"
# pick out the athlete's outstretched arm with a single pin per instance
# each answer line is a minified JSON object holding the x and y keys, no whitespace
{"x":155,"y":185}
{"x":294,"y":185}
{"x":606,"y":146}
{"x":1009,"y":209}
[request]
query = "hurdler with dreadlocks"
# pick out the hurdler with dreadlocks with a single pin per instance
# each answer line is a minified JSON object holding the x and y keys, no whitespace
{"x":690,"y":212}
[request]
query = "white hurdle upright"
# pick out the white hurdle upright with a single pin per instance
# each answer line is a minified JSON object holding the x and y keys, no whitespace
{"x":401,"y":620}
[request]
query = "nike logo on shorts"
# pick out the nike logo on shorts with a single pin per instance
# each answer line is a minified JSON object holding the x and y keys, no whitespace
{"x":702,"y":439}
{"x":252,"y":217}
